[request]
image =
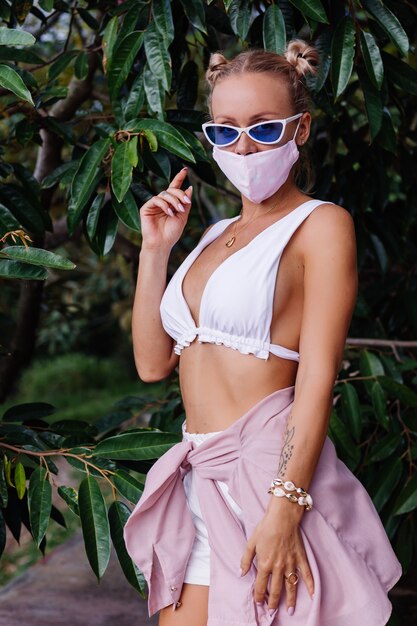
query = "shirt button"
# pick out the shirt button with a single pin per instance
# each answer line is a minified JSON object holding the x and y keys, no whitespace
{"x":177,"y":604}
{"x":173,"y":588}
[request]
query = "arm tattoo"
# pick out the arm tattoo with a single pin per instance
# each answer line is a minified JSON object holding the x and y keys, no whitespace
{"x":287,"y":448}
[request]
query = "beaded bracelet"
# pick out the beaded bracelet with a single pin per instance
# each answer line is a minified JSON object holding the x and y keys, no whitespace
{"x":303,"y":500}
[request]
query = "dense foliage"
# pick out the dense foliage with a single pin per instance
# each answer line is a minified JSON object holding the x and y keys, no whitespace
{"x":102,"y":102}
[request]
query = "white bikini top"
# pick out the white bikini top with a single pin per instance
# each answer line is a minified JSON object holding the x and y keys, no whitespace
{"x":237,"y":302}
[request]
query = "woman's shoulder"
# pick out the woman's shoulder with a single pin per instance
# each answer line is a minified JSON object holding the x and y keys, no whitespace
{"x":330,"y":225}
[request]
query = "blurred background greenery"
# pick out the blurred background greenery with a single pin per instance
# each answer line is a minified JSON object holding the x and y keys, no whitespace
{"x":101,"y":104}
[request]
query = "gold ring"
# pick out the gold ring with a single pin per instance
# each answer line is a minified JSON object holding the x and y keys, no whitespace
{"x":288,"y":576}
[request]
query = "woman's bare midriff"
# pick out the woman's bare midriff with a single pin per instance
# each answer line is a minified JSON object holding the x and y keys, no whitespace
{"x":218,"y":383}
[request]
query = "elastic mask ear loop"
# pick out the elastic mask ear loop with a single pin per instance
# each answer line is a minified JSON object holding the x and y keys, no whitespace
{"x":296,"y":130}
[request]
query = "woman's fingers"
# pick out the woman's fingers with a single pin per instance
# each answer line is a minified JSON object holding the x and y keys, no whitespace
{"x":158,"y":201}
{"x":247,"y":557}
{"x":189,"y":192}
{"x":179,"y":178}
{"x":275,"y":589}
{"x":307,"y":575}
{"x":261,"y":584}
{"x":173,"y":200}
{"x":291,"y":588}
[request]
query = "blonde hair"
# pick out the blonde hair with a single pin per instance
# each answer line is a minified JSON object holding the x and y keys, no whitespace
{"x":298,"y":60}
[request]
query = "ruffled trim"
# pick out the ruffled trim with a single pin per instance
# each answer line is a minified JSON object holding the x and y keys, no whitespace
{"x":184,"y":341}
{"x":245,"y":345}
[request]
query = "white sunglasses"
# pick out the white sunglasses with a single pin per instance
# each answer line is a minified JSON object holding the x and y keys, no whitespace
{"x":268,"y":132}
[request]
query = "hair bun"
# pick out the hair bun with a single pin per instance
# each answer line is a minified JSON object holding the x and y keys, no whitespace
{"x":303,"y":57}
{"x":217,"y":63}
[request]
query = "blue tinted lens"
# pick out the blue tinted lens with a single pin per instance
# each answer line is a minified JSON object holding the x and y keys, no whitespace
{"x":267,"y":131}
{"x":221,"y":135}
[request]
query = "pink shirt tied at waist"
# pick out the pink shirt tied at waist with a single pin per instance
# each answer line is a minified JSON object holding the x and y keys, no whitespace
{"x":350,"y":556}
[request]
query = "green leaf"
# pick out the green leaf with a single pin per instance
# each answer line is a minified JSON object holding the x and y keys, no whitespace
{"x":198,"y":149}
{"x":122,"y":61}
{"x":389,"y":23}
{"x":387,"y":136}
{"x":128,"y":486}
{"x":162,"y":17}
{"x":22,"y":271}
{"x":63,"y":174}
{"x":402,"y":392}
{"x":119,"y":513}
{"x":88,"y":18}
{"x":81,"y":454}
{"x":106,"y":229}
{"x":372,"y":58}
{"x":379,"y":404}
{"x":108,"y":42}
{"x":155,"y":93}
{"x":373,"y":103}
{"x":95,"y":525}
{"x":28,"y":410}
{"x":407,"y":499}
{"x":4,"y":494}
{"x":20,"y":480}
{"x":400,"y":73}
{"x":352,"y":409}
{"x":273,"y":30}
{"x":7,"y":219}
{"x":343,"y":49}
{"x":11,"y":80}
{"x":15,"y":37}
{"x":133,"y":151}
{"x":62,"y":62}
{"x":157,"y":162}
{"x":311,"y":8}
{"x":157,"y":55}
{"x":168,"y":136}
{"x":39,"y":503}
{"x":370,"y":365}
{"x":85,"y":181}
{"x":24,"y":208}
{"x":385,"y":447}
{"x":70,"y":496}
{"x":135,"y":100}
{"x":240,"y":15}
{"x":194,"y":10}
{"x":127,"y":211}
{"x":136,"y":446}
{"x":94,"y":214}
{"x":37,"y":256}
{"x":389,"y":477}
{"x":342,"y":436}
{"x":151,"y":139}
{"x":121,"y":170}
{"x":17,"y":54}
{"x":81,"y":66}
{"x":46,"y":5}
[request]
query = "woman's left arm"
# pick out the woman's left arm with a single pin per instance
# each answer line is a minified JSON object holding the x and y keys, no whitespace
{"x":330,"y":290}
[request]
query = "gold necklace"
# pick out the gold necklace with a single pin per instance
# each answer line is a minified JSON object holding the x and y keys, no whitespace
{"x":232,"y":239}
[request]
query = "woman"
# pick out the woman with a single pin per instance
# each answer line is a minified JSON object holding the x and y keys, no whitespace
{"x":287,"y":332}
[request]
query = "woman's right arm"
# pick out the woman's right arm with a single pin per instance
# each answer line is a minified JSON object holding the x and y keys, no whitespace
{"x":162,"y":223}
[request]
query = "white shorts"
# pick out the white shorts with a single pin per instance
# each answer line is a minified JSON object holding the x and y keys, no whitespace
{"x":198,"y":567}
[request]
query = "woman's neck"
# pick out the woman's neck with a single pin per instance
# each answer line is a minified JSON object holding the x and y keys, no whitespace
{"x":276,"y":203}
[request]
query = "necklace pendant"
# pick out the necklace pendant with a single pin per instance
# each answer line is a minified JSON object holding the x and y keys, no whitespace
{"x":230,"y":242}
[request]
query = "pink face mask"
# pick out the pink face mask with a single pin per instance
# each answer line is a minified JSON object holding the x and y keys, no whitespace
{"x":259,"y":175}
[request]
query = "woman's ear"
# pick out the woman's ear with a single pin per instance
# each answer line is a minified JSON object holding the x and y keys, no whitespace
{"x":304,"y":129}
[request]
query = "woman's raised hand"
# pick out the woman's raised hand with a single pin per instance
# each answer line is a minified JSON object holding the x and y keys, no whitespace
{"x":164,"y":216}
